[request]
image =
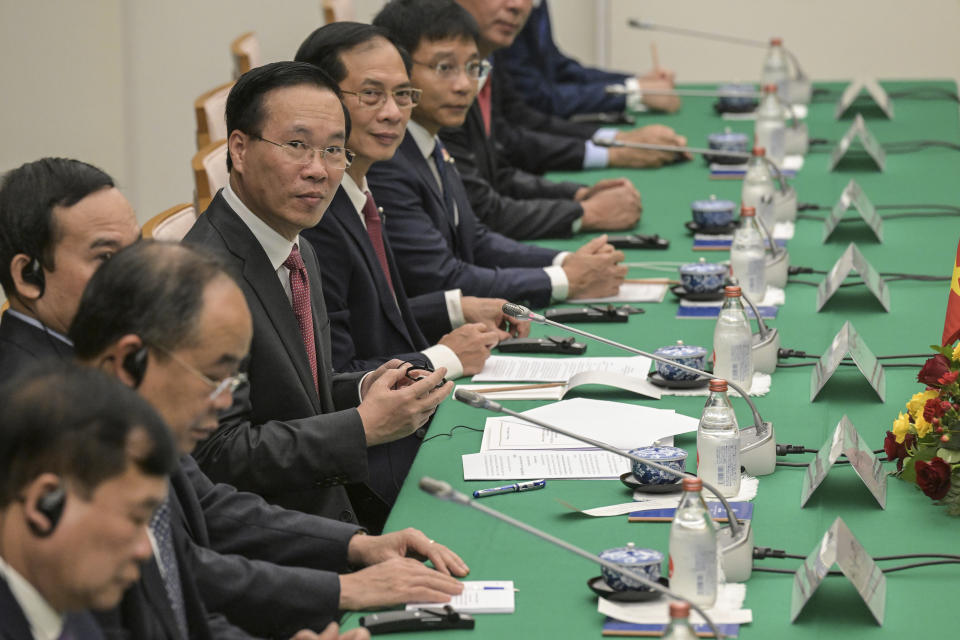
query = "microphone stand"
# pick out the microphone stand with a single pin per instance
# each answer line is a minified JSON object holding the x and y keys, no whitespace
{"x":758,"y":455}
{"x":444,"y":491}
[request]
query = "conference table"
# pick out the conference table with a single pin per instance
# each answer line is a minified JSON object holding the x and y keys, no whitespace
{"x":553,"y":600}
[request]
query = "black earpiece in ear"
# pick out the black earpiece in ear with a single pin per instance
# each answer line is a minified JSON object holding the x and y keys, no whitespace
{"x":51,"y":506}
{"x":136,"y":365}
{"x":33,"y":274}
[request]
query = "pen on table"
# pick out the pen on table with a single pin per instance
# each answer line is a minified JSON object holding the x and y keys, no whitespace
{"x":656,"y":58}
{"x":516,"y":487}
{"x":545,"y":385}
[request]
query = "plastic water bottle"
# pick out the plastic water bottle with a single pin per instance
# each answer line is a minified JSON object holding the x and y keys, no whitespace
{"x":770,"y":128}
{"x":776,"y":68}
{"x":693,"y":548}
{"x":748,"y":259}
{"x":733,"y":342}
{"x":679,"y":627}
{"x":759,"y":188}
{"x":718,"y":442}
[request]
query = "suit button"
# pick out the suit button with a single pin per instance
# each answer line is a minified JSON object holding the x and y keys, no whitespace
{"x":347,"y":516}
{"x":422,"y":431}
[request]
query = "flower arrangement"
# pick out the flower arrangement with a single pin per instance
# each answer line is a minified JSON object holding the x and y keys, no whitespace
{"x":925,"y":441}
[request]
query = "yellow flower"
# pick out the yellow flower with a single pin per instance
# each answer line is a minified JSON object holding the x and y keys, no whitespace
{"x":922,"y":426}
{"x":915,"y":405}
{"x":956,"y":352}
{"x":901,"y":426}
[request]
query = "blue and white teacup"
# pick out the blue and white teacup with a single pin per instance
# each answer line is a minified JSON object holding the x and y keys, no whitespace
{"x":690,"y":355}
{"x":728,"y":141}
{"x":712,"y":213}
{"x":738,"y":98}
{"x":645,"y":562}
{"x":703,"y":277}
{"x":673,"y":457}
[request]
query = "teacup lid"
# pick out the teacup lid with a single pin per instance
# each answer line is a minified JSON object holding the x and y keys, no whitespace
{"x":703,"y":268}
{"x":728,"y":138}
{"x":681,"y":350}
{"x":713,"y":205}
{"x":660,"y":453}
{"x":632,"y":554}
{"x":738,"y":87}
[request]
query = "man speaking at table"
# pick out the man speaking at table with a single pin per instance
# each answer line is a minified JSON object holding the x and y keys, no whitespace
{"x":296,"y":434}
{"x":438,"y":241}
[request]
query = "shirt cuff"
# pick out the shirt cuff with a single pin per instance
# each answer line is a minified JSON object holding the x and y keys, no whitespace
{"x":594,"y":156}
{"x":559,"y":285}
{"x":455,"y":308}
{"x":360,"y":385}
{"x":634,"y":94}
{"x":441,"y":355}
{"x":576,"y":225}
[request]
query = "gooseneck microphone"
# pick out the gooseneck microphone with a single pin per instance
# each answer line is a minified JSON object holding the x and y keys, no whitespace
{"x":757,"y":445}
{"x":444,"y":491}
{"x":735,"y":542}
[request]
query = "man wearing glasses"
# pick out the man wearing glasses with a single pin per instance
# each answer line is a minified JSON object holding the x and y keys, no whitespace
{"x":296,"y":434}
{"x":438,"y":241}
{"x":370,"y":314}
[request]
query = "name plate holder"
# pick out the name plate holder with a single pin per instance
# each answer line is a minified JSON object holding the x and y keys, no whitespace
{"x":839,"y":547}
{"x":858,"y":130}
{"x":853,"y":260}
{"x":848,"y":342}
{"x":875,"y":92}
{"x":845,"y":440}
{"x":853,"y":194}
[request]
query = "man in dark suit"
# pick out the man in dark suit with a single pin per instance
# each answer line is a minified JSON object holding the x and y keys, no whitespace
{"x":297,"y":434}
{"x":555,"y":83}
{"x":438,"y":241}
{"x":169,"y":321}
{"x":83,"y":466}
{"x":59,"y":220}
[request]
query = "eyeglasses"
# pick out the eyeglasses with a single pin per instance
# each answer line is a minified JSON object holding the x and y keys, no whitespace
{"x":375,"y":98}
{"x":228,"y":385}
{"x":448,"y":71}
{"x":302,"y":153}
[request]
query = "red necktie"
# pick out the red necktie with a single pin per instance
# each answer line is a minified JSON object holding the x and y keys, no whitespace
{"x":375,"y":231}
{"x":300,"y":290}
{"x":483,"y":99}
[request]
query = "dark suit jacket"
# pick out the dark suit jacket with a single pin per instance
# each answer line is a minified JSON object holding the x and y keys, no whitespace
{"x":435,"y":254}
{"x":369,"y":324}
{"x":282,"y":439}
{"x":14,"y":624}
{"x":22,"y":344}
{"x":532,"y":140}
{"x":506,"y":199}
{"x":552,"y":82}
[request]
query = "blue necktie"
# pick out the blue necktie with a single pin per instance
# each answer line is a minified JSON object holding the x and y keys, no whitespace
{"x":167,"y":560}
{"x":438,"y":159}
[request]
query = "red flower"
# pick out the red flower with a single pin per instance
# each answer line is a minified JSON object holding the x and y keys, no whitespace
{"x":949,"y":377}
{"x":933,"y":477}
{"x":896,"y":450}
{"x":933,"y":369}
{"x":934,"y":409}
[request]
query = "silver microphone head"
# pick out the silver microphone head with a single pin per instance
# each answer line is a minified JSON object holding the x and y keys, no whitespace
{"x":520,"y":312}
{"x":435,"y":487}
{"x":474,"y":399}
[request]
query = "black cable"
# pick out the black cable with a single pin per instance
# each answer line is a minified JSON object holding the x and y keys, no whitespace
{"x":449,"y":434}
{"x":812,"y":206}
{"x":885,"y":570}
{"x":844,"y":363}
{"x":797,"y":353}
{"x":926,"y":93}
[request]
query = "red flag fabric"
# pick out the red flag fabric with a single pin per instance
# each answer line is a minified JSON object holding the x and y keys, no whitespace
{"x":951,"y":325}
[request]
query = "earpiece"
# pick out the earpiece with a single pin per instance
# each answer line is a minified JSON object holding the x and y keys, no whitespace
{"x":51,"y":506}
{"x":33,"y":274}
{"x":135,"y":363}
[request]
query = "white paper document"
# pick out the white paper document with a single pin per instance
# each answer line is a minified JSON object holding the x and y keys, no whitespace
{"x":625,"y":426}
{"x":529,"y":369}
{"x":772,"y":297}
{"x":532,"y":465}
{"x":478,"y":596}
{"x":643,"y":501}
{"x":759,"y":387}
{"x":631,"y":292}
{"x":522,"y":390}
{"x":726,"y":610}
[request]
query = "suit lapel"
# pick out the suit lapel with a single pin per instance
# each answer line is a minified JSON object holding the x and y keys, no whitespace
{"x":13,"y":622}
{"x":415,"y":159}
{"x":345,"y":214}
{"x":262,"y":279}
{"x":157,"y":599}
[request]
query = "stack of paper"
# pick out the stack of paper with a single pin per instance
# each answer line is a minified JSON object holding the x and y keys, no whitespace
{"x":478,"y":596}
{"x":631,"y":292}
{"x":525,"y":369}
{"x":726,"y":610}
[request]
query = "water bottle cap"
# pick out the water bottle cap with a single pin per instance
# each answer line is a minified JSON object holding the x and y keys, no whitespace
{"x":692,"y":484}
{"x":759,"y":151}
{"x":732,"y":292}
{"x":679,"y":609}
{"x":769,"y":88}
{"x":776,"y":42}
{"x":746,"y":211}
{"x":718,"y":385}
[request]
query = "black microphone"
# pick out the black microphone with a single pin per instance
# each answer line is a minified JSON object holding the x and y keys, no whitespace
{"x":439,"y":489}
{"x":735,"y":542}
{"x":757,"y":446}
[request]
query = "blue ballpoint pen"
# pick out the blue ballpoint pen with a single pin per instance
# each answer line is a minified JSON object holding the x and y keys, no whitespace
{"x":516,"y":487}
